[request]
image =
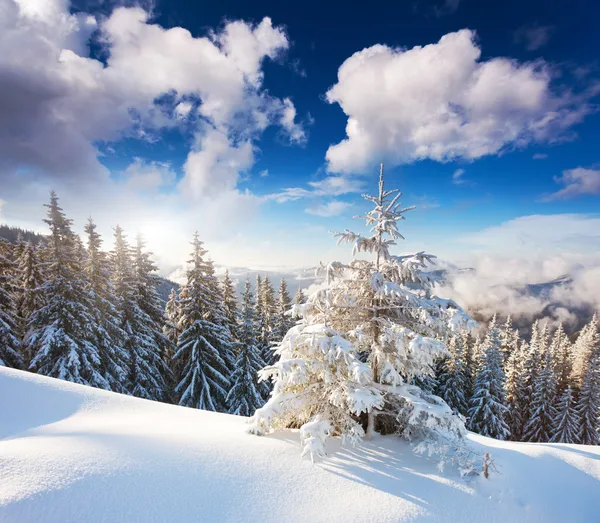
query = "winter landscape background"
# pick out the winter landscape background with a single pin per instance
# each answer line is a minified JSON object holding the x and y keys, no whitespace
{"x":203,"y":241}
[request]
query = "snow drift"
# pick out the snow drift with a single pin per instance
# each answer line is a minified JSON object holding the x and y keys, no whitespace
{"x":70,"y":453}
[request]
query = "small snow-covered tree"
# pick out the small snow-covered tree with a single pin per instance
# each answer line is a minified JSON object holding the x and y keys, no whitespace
{"x":542,"y":410}
{"x":204,"y":345}
{"x":299,"y":297}
{"x":588,"y":404}
{"x":60,"y":335}
{"x":10,"y":349}
{"x":583,"y":348}
{"x":565,"y":427}
{"x":362,"y":340}
{"x":246,"y":394}
{"x":232,"y":312}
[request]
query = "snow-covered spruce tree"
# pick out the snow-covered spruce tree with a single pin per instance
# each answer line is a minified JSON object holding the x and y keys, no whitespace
{"x":347,"y":365}
{"x":507,"y":340}
{"x":147,"y":297}
{"x":10,"y":347}
{"x":231,"y":310}
{"x":532,"y":363}
{"x":146,"y":368}
{"x":61,"y":335}
{"x":283,"y":320}
{"x":299,"y":297}
{"x":565,"y":427}
{"x":109,"y":337}
{"x":28,"y":292}
{"x":454,"y":379}
{"x":588,"y":403}
{"x":587,"y":341}
{"x":517,"y":412}
{"x":204,"y":345}
{"x":267,"y":316}
{"x":246,"y":394}
{"x":170,"y":329}
{"x":487,"y":410}
{"x":562,"y":364}
{"x":542,"y":410}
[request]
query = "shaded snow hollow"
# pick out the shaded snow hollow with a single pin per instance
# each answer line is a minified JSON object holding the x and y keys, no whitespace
{"x":70,"y":453}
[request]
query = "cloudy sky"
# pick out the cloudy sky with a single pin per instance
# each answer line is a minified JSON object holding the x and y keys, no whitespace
{"x":260,"y":123}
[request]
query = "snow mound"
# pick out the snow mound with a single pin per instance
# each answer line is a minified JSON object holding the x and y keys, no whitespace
{"x":70,"y":453}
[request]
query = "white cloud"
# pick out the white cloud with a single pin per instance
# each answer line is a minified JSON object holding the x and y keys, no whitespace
{"x":329,"y":209}
{"x":58,"y":105}
{"x":442,"y":102}
{"x":264,"y":173}
{"x":577,"y":182}
{"x":49,"y":82}
{"x":533,"y":37}
{"x":540,"y":156}
{"x":540,"y":235}
{"x":457,"y":177}
{"x":328,"y":186}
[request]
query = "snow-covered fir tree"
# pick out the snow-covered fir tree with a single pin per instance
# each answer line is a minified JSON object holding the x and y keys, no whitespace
{"x":582,"y":350}
{"x":299,"y":297}
{"x":109,"y":337}
{"x":61,"y":335}
{"x":515,"y":386}
{"x":146,"y":368}
{"x":28,"y":292}
{"x":588,"y":404}
{"x":147,"y":298}
{"x":246,"y":394}
{"x":565,"y":427}
{"x":361,"y":341}
{"x":283,"y":319}
{"x":532,"y":362}
{"x":232,"y":312}
{"x":507,"y":340}
{"x":10,"y":347}
{"x":170,"y":329}
{"x":562,"y":364}
{"x":487,"y":410}
{"x":542,"y":411}
{"x":267,"y":313}
{"x":204,"y":345}
{"x":454,"y":379}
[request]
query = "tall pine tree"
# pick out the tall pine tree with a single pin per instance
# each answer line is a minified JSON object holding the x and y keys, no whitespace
{"x":566,"y":420}
{"x":487,"y":410}
{"x":246,"y":394}
{"x":146,"y":368}
{"x":61,"y":335}
{"x":204,"y":345}
{"x":10,"y":350}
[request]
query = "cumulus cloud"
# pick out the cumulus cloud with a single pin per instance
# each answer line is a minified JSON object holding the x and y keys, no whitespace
{"x":533,"y":37}
{"x":59,"y":106}
{"x":442,"y":102}
{"x":577,"y":182}
{"x":329,"y":209}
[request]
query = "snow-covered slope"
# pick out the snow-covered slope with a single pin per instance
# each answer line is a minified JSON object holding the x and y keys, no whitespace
{"x":70,"y":453}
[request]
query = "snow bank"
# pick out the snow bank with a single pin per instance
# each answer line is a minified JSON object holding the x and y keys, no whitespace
{"x":70,"y":453}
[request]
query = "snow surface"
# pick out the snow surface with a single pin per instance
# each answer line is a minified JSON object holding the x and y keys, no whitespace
{"x":70,"y":453}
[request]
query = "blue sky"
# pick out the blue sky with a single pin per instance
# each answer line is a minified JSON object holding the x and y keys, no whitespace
{"x":484,"y":115}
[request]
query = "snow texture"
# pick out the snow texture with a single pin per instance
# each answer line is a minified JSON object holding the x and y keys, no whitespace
{"x":70,"y":453}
